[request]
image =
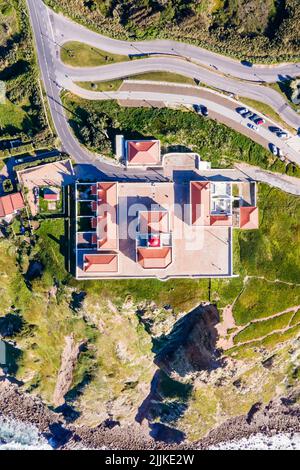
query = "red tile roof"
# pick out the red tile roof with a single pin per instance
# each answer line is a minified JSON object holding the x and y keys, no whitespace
{"x":145,"y":152}
{"x":154,"y":257}
{"x":51,"y":196}
{"x":249,"y":217}
{"x":11,"y":203}
{"x":200,"y":202}
{"x":223,"y":220}
{"x":101,"y":263}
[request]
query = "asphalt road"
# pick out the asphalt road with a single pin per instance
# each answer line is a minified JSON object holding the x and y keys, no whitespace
{"x":55,"y":78}
{"x":210,"y":68}
{"x":230,"y":85}
{"x":68,"y":30}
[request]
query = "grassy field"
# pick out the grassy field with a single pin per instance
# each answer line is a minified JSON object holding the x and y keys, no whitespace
{"x":163,"y":77}
{"x":181,"y":294}
{"x":50,"y":250}
{"x":296,"y":318}
{"x":263,"y":328}
{"x":274,"y":250}
{"x":177,"y":129}
{"x":114,"y":85}
{"x":78,"y":54}
{"x":264,"y":31}
{"x":262,"y":299}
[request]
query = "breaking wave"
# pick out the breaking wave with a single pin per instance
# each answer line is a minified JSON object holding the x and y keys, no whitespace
{"x":15,"y":435}
{"x":282,"y":441}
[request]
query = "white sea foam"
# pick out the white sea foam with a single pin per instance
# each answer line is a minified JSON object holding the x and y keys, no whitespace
{"x":15,"y":435}
{"x":282,"y":441}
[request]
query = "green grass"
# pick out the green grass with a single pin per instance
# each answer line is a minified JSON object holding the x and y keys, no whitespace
{"x":278,"y":338}
{"x":50,"y":249}
{"x":51,"y":323}
{"x":78,"y":54}
{"x":267,"y":111}
{"x":11,"y":116}
{"x":181,"y":294}
{"x":163,"y":77}
{"x":273,"y":251}
{"x":284,"y":89}
{"x":114,"y":85}
{"x":296,"y":318}
{"x":262,"y":328}
{"x":8,"y":21}
{"x":261,"y":299}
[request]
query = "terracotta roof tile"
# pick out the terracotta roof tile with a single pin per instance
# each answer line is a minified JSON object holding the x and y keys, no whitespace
{"x":101,"y":263}
{"x":145,"y":152}
{"x":11,"y":203}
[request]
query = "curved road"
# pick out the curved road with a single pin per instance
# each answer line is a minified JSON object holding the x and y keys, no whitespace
{"x":246,"y":89}
{"x":55,"y":78}
{"x":209,"y":68}
{"x":67,"y":30}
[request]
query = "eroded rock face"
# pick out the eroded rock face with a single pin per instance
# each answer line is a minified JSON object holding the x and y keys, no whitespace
{"x":191,"y":345}
{"x":65,"y":376}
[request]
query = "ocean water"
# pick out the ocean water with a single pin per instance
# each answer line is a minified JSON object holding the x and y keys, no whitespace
{"x":15,"y":435}
{"x":282,"y":441}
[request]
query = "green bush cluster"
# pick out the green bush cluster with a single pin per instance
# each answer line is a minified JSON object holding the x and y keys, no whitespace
{"x":177,"y":130}
{"x":42,"y":161}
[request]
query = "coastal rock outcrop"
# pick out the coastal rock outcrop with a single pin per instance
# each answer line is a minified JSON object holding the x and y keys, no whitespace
{"x":191,"y":345}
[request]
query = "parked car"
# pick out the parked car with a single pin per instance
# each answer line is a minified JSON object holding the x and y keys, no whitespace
{"x":253,"y":116}
{"x":204,"y":110}
{"x":259,"y":121}
{"x":242,"y":111}
{"x":19,"y":160}
{"x":275,"y":129}
{"x":201,"y":109}
{"x":253,"y":127}
{"x":275,"y":150}
{"x":282,"y":135}
{"x":246,"y":63}
{"x":247,"y":114}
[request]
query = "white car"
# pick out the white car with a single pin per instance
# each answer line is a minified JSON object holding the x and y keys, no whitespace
{"x":276,"y":151}
{"x":253,"y":127}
